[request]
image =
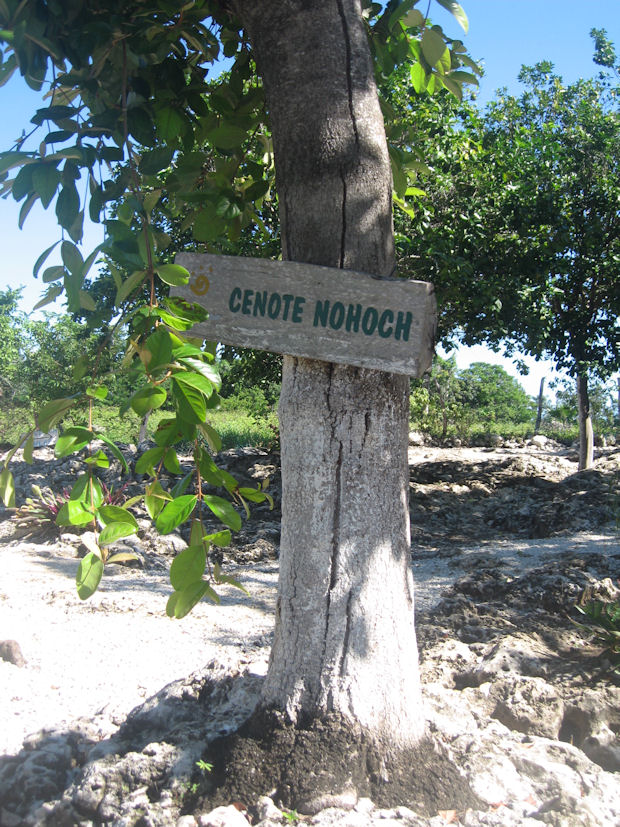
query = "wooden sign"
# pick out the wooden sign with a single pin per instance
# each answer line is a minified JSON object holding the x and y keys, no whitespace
{"x":316,"y":312}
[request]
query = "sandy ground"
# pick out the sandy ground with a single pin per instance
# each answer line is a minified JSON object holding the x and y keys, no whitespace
{"x":102,"y":657}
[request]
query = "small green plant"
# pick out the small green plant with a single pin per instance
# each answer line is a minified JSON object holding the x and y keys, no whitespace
{"x":204,"y":766}
{"x":40,"y":513}
{"x":292,"y":816}
{"x":604,"y":627}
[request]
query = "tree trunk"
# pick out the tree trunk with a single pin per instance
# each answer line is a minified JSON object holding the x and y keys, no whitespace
{"x":143,"y":433}
{"x":586,"y":434}
{"x":345,"y":639}
{"x":540,"y":405}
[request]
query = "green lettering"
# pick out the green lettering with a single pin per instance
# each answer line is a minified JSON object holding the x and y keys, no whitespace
{"x":287,"y":299}
{"x":298,"y":309}
{"x":260,"y":302}
{"x":246,"y":307}
{"x":353,"y":317}
{"x":386,"y":316}
{"x":336,"y":316}
{"x":273,"y":308}
{"x":234,"y":302}
{"x":321,"y":312}
{"x":403,"y":325}
{"x":370,"y":320}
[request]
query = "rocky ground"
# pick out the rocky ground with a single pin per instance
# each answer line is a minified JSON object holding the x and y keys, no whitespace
{"x":505,"y":542}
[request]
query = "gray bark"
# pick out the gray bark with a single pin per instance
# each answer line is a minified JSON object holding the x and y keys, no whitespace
{"x":539,"y":410}
{"x":345,"y":639}
{"x":586,"y":434}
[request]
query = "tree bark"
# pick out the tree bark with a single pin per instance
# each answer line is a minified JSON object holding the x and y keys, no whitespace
{"x":586,"y":434}
{"x":345,"y":638}
{"x":539,"y":410}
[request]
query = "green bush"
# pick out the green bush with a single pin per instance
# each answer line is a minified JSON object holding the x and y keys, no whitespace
{"x":258,"y":402}
{"x":239,"y":429}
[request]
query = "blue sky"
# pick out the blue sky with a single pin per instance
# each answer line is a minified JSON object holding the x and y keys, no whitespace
{"x":504,"y":34}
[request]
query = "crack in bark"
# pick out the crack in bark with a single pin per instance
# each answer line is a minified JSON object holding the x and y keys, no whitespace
{"x":343,"y":235}
{"x":333,"y":572}
{"x":349,"y":73}
{"x":349,"y":76}
{"x":347,"y":632}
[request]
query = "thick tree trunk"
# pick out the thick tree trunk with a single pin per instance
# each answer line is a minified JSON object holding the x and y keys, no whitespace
{"x":345,"y":639}
{"x":539,"y":410}
{"x":586,"y":434}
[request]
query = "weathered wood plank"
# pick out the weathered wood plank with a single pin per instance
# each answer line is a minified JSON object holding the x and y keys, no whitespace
{"x":316,"y":312}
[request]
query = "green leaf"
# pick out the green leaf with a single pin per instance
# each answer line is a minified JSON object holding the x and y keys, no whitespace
{"x":453,"y":87}
{"x":254,"y":495}
{"x":413,"y":18}
{"x":158,"y":350}
{"x":45,"y":180}
{"x":175,"y":513}
{"x":418,"y":78}
{"x":170,"y":123}
{"x":148,"y":399}
{"x":214,"y":440}
{"x":87,"y":490}
{"x":174,"y":322}
{"x":191,"y":402}
{"x":39,"y":262}
{"x":7,"y":69}
{"x":28,"y":447}
{"x":220,"y":538}
{"x":150,"y":200}
{"x":86,"y":301}
{"x":123,"y":557}
{"x":172,"y":274}
{"x":198,"y":380}
{"x":68,"y":206}
{"x":181,"y":603}
{"x":98,"y":460}
{"x":53,"y":412}
{"x":110,"y":514}
{"x":455,"y":9}
{"x":156,"y":160}
{"x":227,"y":136}
{"x":53,"y":273}
{"x":210,"y":372}
{"x":97,"y":392}
{"x":72,"y":440}
{"x":7,"y":488}
{"x":72,"y":258}
{"x":115,"y":450}
{"x":49,"y":296}
{"x":148,"y":460}
{"x":129,"y":285}
{"x":89,"y":574}
{"x":464,"y":77}
{"x":226,"y":578}
{"x":155,"y":498}
{"x":223,"y":510}
{"x":209,"y":470}
{"x":114,"y":531}
{"x":182,"y":485}
{"x":171,"y":461}
{"x":434,"y":47}
{"x":74,"y":512}
{"x":10,"y":159}
{"x":187,"y":567}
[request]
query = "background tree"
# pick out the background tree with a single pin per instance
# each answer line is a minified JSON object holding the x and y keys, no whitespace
{"x":494,"y":394}
{"x":523,"y":245}
{"x":12,"y":333}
